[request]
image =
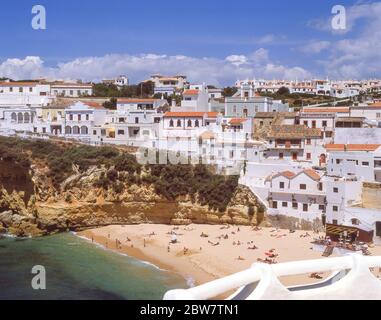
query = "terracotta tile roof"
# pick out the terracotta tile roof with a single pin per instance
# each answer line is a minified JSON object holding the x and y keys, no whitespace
{"x":312,"y":174}
{"x":18,"y":84}
{"x":237,"y":121}
{"x":352,"y":147}
{"x":212,"y":114}
{"x":207,"y":135}
{"x":287,"y":174}
{"x":191,"y":92}
{"x":375,"y":105}
{"x":264,"y":115}
{"x":293,"y":132}
{"x":328,"y":110}
{"x":184,"y":114}
{"x":71,"y":85}
{"x":93,"y":104}
{"x":126,"y":100}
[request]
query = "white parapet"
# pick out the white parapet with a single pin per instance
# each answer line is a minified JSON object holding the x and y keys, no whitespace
{"x":359,"y":283}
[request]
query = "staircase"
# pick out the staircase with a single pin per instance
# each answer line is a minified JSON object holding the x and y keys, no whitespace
{"x":328,"y":251}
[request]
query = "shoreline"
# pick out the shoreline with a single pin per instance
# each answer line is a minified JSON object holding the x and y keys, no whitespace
{"x":198,"y":275}
{"x":203,"y":259}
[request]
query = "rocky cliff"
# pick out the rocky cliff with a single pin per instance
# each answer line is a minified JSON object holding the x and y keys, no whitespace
{"x":80,"y":204}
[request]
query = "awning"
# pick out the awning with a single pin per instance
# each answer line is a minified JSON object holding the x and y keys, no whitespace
{"x":337,"y":230}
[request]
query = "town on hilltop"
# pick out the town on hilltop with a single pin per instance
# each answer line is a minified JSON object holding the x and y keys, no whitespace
{"x":309,"y":150}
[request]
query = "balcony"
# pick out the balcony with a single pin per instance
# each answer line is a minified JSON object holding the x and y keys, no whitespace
{"x":316,"y":193}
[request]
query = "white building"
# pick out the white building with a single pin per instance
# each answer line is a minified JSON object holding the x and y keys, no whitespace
{"x":80,"y":118}
{"x":168,"y":85}
{"x":300,"y":195}
{"x":119,"y":81}
{"x":140,"y":104}
{"x":73,"y":90}
{"x":361,"y":161}
{"x":195,"y":100}
{"x":24,"y":94}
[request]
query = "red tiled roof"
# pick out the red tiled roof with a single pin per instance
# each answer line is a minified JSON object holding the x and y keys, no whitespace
{"x":18,"y":84}
{"x":184,"y":114}
{"x":236,"y":121}
{"x":352,"y":147}
{"x":191,"y":92}
{"x":288,"y":174}
{"x":126,"y":100}
{"x":212,"y":114}
{"x":331,"y":110}
{"x":93,"y":104}
{"x":312,"y":174}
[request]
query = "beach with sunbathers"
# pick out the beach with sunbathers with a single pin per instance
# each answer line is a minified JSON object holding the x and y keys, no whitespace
{"x":207,"y":252}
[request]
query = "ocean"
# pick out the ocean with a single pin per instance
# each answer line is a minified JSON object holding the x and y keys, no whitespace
{"x":78,"y":270}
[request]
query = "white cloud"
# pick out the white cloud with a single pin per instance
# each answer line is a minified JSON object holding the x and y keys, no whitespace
{"x":356,"y":52}
{"x":139,"y":67}
{"x":314,"y":47}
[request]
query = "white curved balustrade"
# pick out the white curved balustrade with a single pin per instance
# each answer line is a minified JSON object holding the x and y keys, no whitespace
{"x":260,"y":282}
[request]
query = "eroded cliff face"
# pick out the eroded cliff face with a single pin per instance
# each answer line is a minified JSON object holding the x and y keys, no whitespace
{"x":79,"y":205}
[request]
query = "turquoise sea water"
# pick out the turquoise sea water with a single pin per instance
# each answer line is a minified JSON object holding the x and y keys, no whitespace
{"x":77,"y":269}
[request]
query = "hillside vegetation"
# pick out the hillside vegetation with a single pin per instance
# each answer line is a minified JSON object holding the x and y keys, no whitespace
{"x":170,"y":181}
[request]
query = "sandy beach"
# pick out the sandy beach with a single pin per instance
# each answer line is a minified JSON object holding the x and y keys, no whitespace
{"x":205,"y":252}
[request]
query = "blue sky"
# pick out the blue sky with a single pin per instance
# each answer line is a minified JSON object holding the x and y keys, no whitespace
{"x":215,"y":41}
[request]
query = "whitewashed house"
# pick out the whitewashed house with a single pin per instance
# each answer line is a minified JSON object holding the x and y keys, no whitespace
{"x":361,"y":161}
{"x":300,"y":195}
{"x":72,"y":90}
{"x":80,"y":118}
{"x":20,"y":94}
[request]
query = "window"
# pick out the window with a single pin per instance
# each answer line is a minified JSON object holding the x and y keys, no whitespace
{"x":336,"y":190}
{"x":313,"y":124}
{"x":378,"y":115}
{"x":295,"y":205}
{"x":94,"y":132}
{"x":87,"y":117}
{"x":305,"y":123}
{"x":71,"y":117}
{"x":179,"y":123}
{"x":334,"y":221}
{"x":30,"y":89}
{"x":338,"y":161}
{"x":21,"y":89}
{"x":281,"y":185}
{"x":324,"y":123}
{"x":281,"y":156}
{"x":335,"y":208}
{"x":321,"y":207}
{"x":308,"y":156}
{"x":136,"y":120}
{"x":320,"y":186}
{"x":171,"y":124}
{"x":189,"y":123}
{"x":308,"y":141}
{"x":10,"y":89}
{"x":71,"y":92}
{"x":79,"y":117}
{"x":197,"y":123}
{"x":303,"y":187}
{"x":120,"y":132}
{"x":355,"y":222}
{"x":365,"y":164}
{"x":275,"y":205}
{"x":284,"y":204}
{"x":305,"y":207}
{"x":43,"y":130}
